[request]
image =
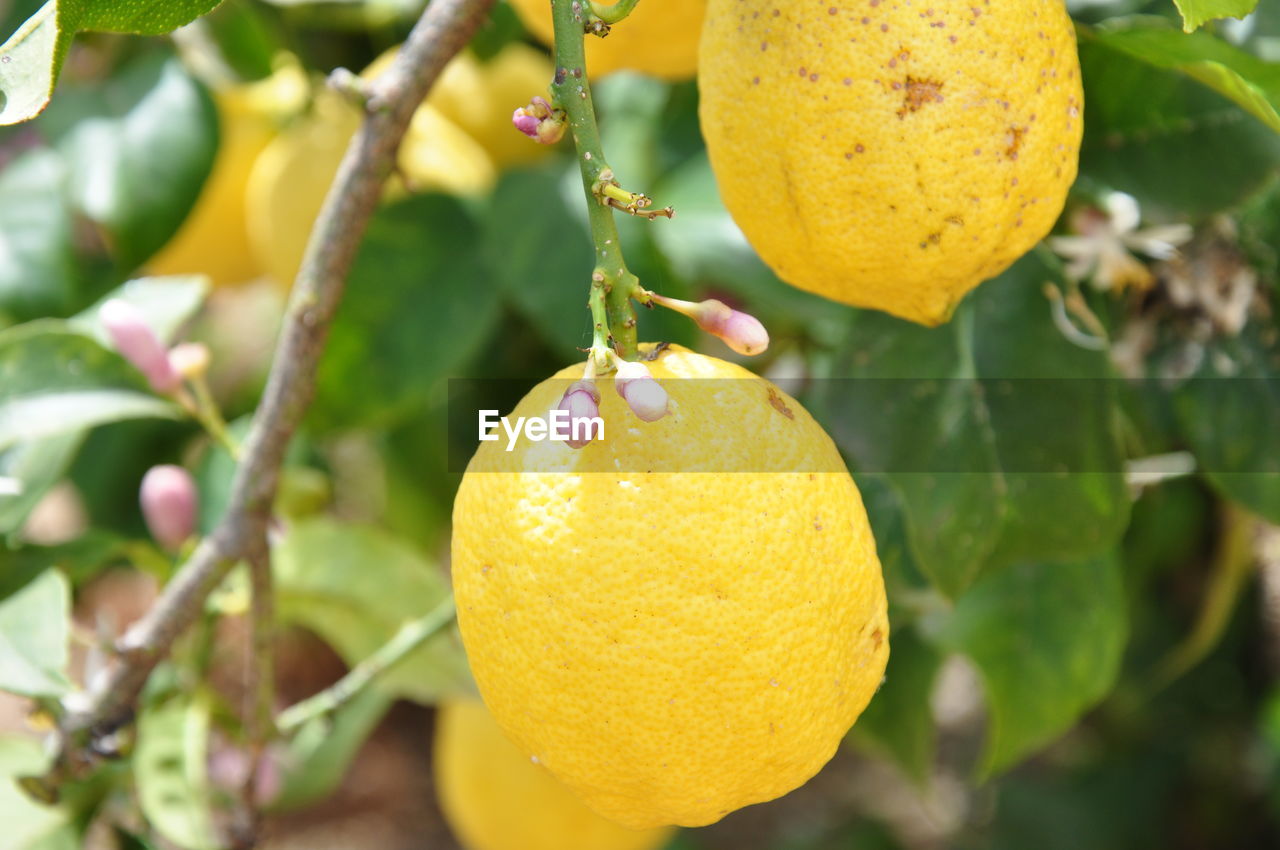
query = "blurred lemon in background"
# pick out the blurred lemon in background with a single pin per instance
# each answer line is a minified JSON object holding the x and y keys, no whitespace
{"x":214,"y":238}
{"x":495,"y":798}
{"x":479,"y":97}
{"x":660,"y":37}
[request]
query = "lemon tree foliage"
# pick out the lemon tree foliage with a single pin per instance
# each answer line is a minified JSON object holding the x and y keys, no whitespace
{"x":32,"y":58}
{"x":1196,"y":13}
{"x":1037,"y":576}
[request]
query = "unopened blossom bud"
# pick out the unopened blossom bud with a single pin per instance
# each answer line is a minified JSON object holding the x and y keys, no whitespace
{"x":645,"y":396}
{"x":582,"y":402}
{"x":540,"y":121}
{"x":138,"y":343}
{"x":168,"y":498}
{"x":525,"y":123}
{"x":741,"y":331}
{"x":189,"y":359}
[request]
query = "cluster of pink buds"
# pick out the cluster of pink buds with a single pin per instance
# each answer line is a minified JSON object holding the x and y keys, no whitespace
{"x":740,"y":331}
{"x":540,"y":121}
{"x":168,"y":499}
{"x":138,"y":343}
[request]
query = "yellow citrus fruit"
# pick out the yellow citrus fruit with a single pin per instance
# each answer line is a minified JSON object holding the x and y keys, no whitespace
{"x":672,"y":644}
{"x":291,"y":177}
{"x":479,"y":97}
{"x":888,"y":155}
{"x":660,"y":37}
{"x":214,"y":240}
{"x":496,"y":798}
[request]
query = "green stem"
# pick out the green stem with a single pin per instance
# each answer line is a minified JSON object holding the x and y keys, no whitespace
{"x":612,"y":14}
{"x":573,"y":94}
{"x":411,"y":636}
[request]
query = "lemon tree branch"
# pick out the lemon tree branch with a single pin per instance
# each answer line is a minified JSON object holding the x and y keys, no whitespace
{"x":91,"y":719}
{"x":573,"y":94}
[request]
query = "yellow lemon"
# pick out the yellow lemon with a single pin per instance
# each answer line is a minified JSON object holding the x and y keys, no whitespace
{"x":495,"y":798}
{"x":888,"y":155}
{"x":291,"y":177}
{"x":213,"y":239}
{"x":479,"y":97}
{"x":660,"y":37}
{"x":670,"y":642}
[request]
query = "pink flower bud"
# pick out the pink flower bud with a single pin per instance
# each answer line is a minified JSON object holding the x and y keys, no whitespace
{"x":645,"y":396}
{"x":741,"y":331}
{"x":168,"y":498}
{"x":525,"y":123}
{"x":138,"y":344}
{"x":582,"y":402}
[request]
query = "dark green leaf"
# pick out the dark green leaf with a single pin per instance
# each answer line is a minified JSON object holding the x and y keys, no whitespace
{"x":137,"y":148}
{"x":1178,"y":147}
{"x":1047,"y":640}
{"x":35,"y":626}
{"x":1230,"y":416}
{"x":1244,"y":78}
{"x":59,"y":382}
{"x":899,"y":720}
{"x":32,"y":57}
{"x":355,"y":586}
{"x":418,"y":306}
{"x":37,"y":273}
{"x":171,"y":770}
{"x":1195,"y":13}
{"x":997,"y":432}
{"x":541,"y":254}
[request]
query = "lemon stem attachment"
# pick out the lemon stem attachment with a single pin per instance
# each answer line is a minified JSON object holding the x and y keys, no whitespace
{"x":612,"y":14}
{"x":612,"y":284}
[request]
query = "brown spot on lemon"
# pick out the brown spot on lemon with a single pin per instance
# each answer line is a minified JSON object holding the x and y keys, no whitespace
{"x":918,"y":93}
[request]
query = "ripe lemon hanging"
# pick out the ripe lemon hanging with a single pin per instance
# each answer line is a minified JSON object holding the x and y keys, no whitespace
{"x":672,"y":644}
{"x":495,"y":798}
{"x":891,"y":155}
{"x":659,"y":38}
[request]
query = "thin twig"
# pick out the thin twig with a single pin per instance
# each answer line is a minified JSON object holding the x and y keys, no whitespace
{"x":261,"y":685}
{"x":410,"y":636}
{"x":441,"y":32}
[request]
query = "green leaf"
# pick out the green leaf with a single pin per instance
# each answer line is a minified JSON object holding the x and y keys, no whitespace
{"x":354,"y":586}
{"x":543,"y":255}
{"x":35,"y":625}
{"x":59,"y":382}
{"x":167,"y":304}
{"x":1195,"y":13}
{"x":899,"y":720}
{"x":32,"y":57}
{"x":1047,"y":640}
{"x":170,"y":769}
{"x":138,"y":147}
{"x":1181,"y":148}
{"x":996,"y":431}
{"x":1244,"y":78}
{"x":77,"y":559}
{"x":28,"y":470}
{"x":418,"y":304}
{"x":29,"y":825}
{"x":1229,"y":414}
{"x":321,"y":752}
{"x":37,"y":273}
